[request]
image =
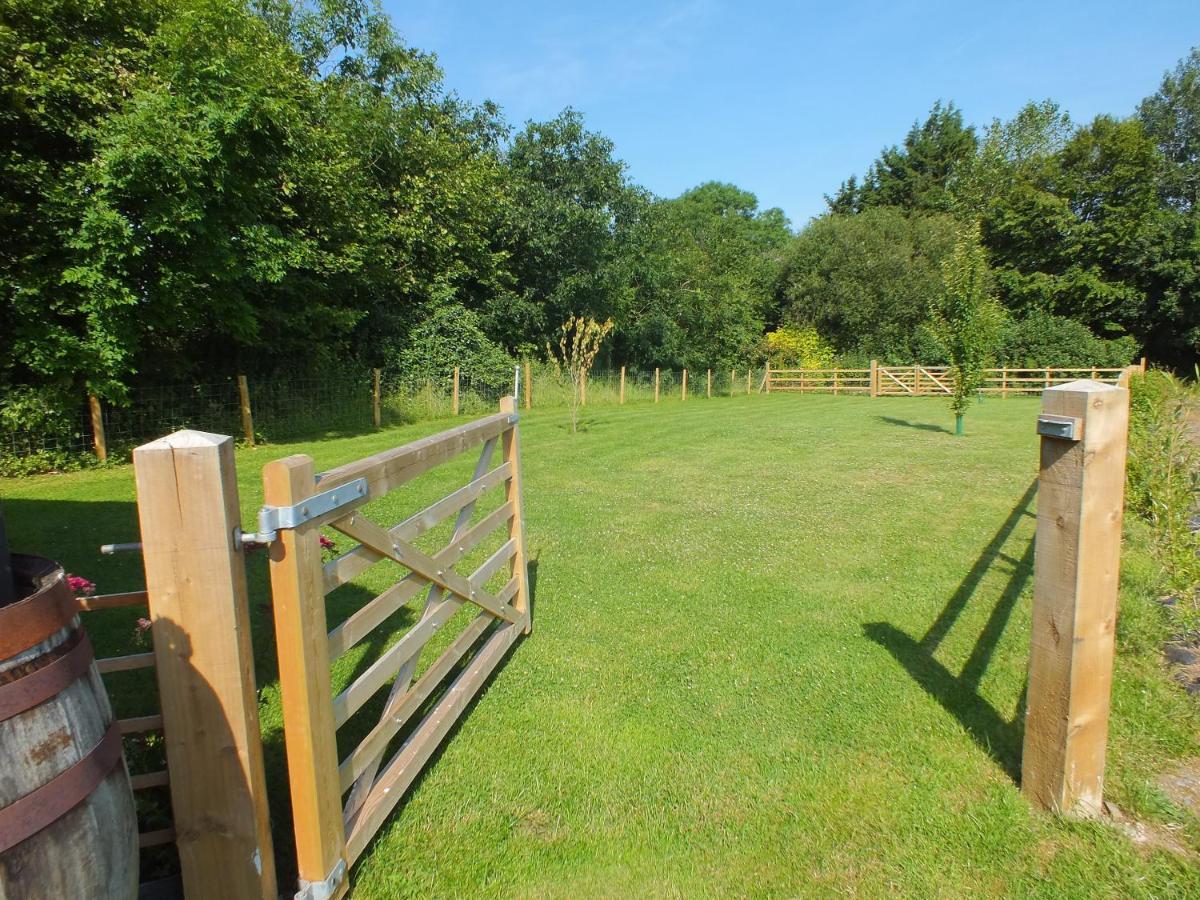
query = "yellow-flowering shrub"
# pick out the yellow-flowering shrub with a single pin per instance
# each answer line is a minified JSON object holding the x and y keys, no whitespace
{"x":794,"y":347}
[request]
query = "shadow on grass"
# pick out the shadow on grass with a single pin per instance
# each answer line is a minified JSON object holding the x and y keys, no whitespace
{"x":919,"y":426}
{"x":959,"y":694}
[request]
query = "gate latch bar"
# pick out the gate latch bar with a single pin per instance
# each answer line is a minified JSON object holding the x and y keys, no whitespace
{"x":322,"y":890}
{"x":273,"y":519}
{"x":1068,"y":428}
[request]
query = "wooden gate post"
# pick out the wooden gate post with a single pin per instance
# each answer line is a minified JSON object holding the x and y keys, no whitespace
{"x":187,"y":501}
{"x":874,"y":378}
{"x":302,"y":638}
{"x":1081,"y":485}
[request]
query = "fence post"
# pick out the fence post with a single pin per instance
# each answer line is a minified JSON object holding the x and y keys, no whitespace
{"x":376,"y":408}
{"x":99,"y":443}
{"x":748,"y":376}
{"x":1047,"y":377}
{"x":187,"y":501}
{"x":767,"y":376}
{"x":247,"y":417}
{"x":454,"y":394}
{"x":916,"y":380}
{"x":709,"y":384}
{"x":1081,"y":485}
{"x":656,"y":384}
{"x":836,"y":371}
{"x":528,"y":385}
{"x":622,"y":394}
{"x":732,"y":381}
{"x":1004,"y":382}
{"x":1143,"y":365}
{"x":301,"y":635}
{"x":874,"y":378}
{"x":683,"y":390}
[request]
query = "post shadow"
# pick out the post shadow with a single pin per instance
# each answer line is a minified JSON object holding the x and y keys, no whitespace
{"x":959,"y":694}
{"x":919,"y":426}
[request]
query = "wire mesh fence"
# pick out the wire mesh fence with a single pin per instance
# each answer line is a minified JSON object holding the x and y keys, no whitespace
{"x":292,"y":408}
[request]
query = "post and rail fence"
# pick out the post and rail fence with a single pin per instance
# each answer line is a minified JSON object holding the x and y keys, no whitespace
{"x":282,"y":409}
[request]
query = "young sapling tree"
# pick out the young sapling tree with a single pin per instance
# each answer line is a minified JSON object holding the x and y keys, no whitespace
{"x":966,"y":319}
{"x":578,"y":343}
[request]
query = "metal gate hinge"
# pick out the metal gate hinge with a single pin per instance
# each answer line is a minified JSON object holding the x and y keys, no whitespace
{"x":273,"y":519}
{"x":322,"y":890}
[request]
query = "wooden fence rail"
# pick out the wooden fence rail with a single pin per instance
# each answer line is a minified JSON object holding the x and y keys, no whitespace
{"x":331,"y":833}
{"x":926,"y":381}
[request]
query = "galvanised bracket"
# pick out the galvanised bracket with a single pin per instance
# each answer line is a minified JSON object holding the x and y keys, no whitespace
{"x":322,"y":890}
{"x":273,"y":519}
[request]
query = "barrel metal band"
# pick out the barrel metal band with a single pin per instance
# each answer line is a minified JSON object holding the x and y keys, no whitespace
{"x":45,"y":805}
{"x":41,"y":684}
{"x":28,"y":622}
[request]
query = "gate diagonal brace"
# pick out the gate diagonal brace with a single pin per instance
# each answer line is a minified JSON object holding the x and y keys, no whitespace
{"x":272,"y":519}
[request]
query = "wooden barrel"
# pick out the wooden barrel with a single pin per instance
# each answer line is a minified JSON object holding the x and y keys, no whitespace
{"x":68,"y":827}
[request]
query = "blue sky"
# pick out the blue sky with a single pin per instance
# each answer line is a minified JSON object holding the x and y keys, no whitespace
{"x":787,"y":99}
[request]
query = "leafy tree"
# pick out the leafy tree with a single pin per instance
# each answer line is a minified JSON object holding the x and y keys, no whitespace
{"x":966,"y":320}
{"x":791,"y":347}
{"x":453,"y":336}
{"x":703,"y":277}
{"x":864,"y":281}
{"x":920,"y":174}
{"x":1171,"y":117}
{"x":1044,"y":339}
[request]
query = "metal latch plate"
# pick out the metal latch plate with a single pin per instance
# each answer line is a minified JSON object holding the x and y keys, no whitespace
{"x":1068,"y":428}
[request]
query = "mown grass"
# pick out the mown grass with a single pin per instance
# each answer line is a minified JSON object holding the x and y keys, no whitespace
{"x":779,"y":648}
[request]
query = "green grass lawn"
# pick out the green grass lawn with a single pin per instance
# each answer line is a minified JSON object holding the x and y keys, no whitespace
{"x":779,"y":649}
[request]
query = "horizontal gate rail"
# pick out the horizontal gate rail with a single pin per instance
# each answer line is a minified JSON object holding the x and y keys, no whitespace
{"x":920,"y":381}
{"x":332,"y":832}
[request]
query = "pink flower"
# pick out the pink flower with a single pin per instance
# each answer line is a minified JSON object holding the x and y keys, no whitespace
{"x":143,"y":625}
{"x":80,"y":587}
{"x":326,"y":543}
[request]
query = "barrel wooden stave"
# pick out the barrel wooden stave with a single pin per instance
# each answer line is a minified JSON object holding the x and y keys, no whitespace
{"x":91,"y":850}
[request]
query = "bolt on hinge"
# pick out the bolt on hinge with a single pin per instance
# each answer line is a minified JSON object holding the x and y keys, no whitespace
{"x":273,"y":519}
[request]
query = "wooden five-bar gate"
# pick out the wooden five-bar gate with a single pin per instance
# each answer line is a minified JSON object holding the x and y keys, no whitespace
{"x":196,"y":591}
{"x":332,"y":833}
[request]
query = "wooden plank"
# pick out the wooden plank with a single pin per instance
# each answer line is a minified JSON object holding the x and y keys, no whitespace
{"x":125,"y":663}
{"x":404,"y":675}
{"x":510,"y":445}
{"x":367,"y":532}
{"x":140,"y":724}
{"x":112,"y":601}
{"x":1076,"y":573}
{"x":402,"y":708}
{"x":303,"y":650}
{"x":364,"y":620}
{"x":389,"y":469}
{"x":392,"y":660}
{"x":149,"y":780}
{"x":156,"y":838}
{"x":404,"y":767}
{"x":189,"y":514}
{"x":99,"y":442}
{"x":356,"y":561}
{"x":244,"y":403}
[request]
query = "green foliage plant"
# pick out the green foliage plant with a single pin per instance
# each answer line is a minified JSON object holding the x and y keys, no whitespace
{"x":579,"y":341}
{"x":966,"y":319}
{"x":799,"y":347}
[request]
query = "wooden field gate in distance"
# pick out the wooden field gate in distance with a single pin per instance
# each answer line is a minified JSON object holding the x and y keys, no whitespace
{"x":330,"y":834}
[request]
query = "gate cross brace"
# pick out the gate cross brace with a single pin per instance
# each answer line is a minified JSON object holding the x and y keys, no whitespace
{"x":377,"y":538}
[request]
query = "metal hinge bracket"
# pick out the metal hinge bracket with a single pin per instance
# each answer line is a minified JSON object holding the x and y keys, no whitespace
{"x":273,"y":519}
{"x":322,"y":890}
